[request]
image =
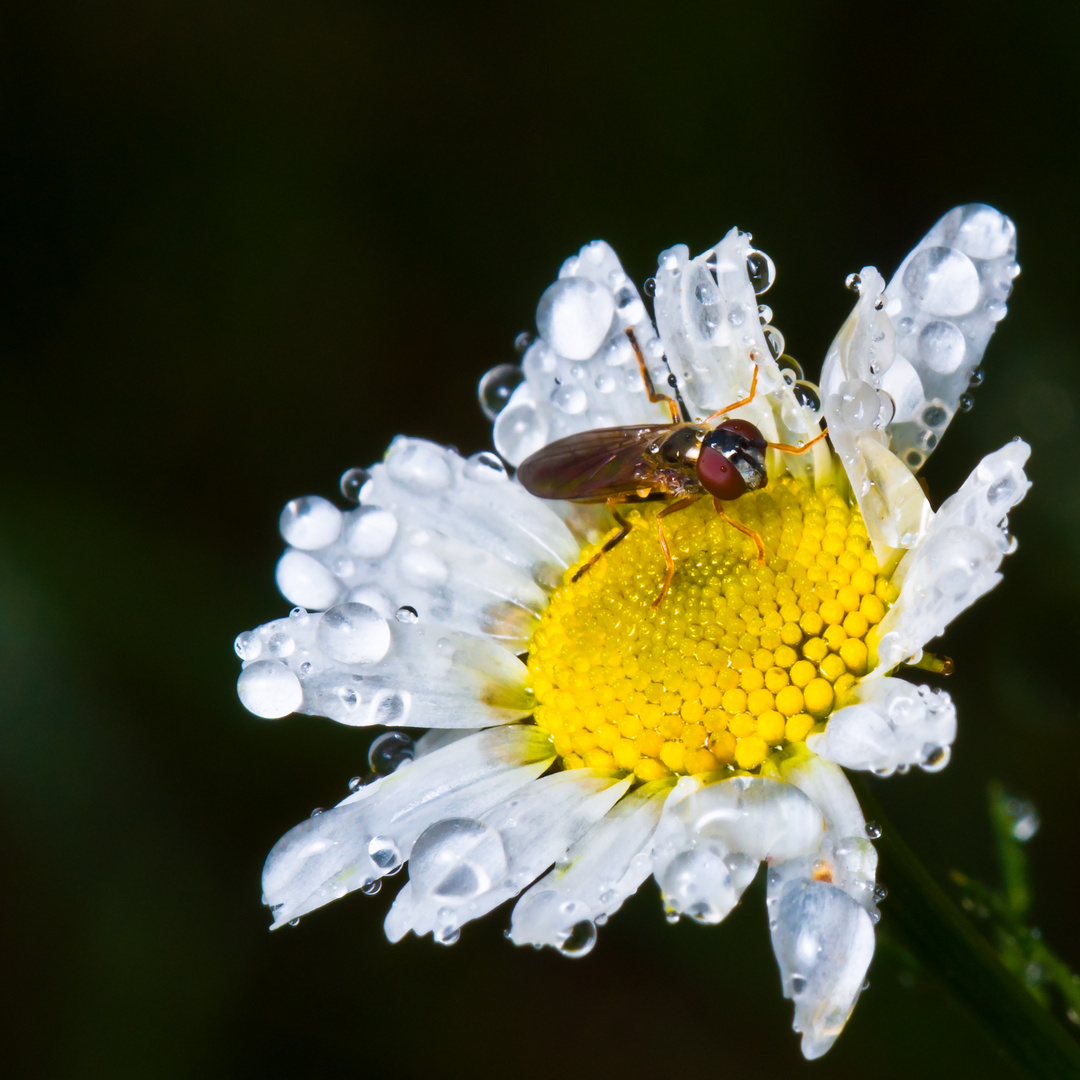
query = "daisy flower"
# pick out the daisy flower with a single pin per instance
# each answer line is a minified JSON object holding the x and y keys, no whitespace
{"x":584,"y":733}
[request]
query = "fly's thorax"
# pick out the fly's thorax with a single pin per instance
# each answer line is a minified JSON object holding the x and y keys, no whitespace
{"x":737,"y":664}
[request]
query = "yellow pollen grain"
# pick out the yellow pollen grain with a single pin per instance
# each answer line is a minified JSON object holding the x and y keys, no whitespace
{"x":736,"y":664}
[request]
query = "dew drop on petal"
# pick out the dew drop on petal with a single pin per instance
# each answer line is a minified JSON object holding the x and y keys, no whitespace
{"x":574,"y":316}
{"x":353,"y":634}
{"x":352,"y":483}
{"x":942,"y":346}
{"x":389,"y":751}
{"x":807,"y":395}
{"x":873,"y":830}
{"x":309,"y":523}
{"x":942,"y":281}
{"x":485,"y":467}
{"x":248,"y":645}
{"x":853,"y":282}
{"x":269,"y":689}
{"x":580,"y":940}
{"x":457,"y":860}
{"x":383,"y":852}
{"x":406,"y":614}
{"x":496,"y":387}
{"x":761,"y":271}
{"x":371,"y":886}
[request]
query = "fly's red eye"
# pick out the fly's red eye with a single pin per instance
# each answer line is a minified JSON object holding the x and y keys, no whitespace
{"x":718,"y":475}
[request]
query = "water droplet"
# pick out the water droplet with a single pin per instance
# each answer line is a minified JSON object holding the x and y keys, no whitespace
{"x":790,"y":369}
{"x":705,"y":293}
{"x":873,"y":830}
{"x":371,"y":532}
{"x":760,"y":270}
{"x":942,"y":281}
{"x":649,"y":288}
{"x":457,"y":860}
{"x":248,"y":645}
{"x":390,"y":750}
{"x":853,"y":282}
{"x":671,"y":916}
{"x":383,"y":852}
{"x":765,"y":313}
{"x":406,"y":614}
{"x":935,"y":416}
{"x":580,"y":940}
{"x":354,"y":784}
{"x":569,"y":399}
{"x":294,"y":922}
{"x":798,"y":984}
{"x":865,"y":986}
{"x":352,"y":483}
{"x":371,"y":886}
{"x":775,"y":340}
{"x":879,"y":305}
{"x":485,"y":467}
{"x":353,"y":634}
{"x":977,"y":377}
{"x":447,"y":935}
{"x":1025,"y":819}
{"x":807,"y":395}
{"x":522,"y":342}
{"x":280,"y":644}
{"x":496,"y":386}
{"x":880,"y":892}
{"x":269,"y":689}
{"x":310,"y":523}
{"x":574,"y":316}
{"x":942,"y":346}
{"x":966,"y":403}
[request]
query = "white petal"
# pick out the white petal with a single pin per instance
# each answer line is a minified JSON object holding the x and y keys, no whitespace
{"x":824,"y":942}
{"x":845,"y":858}
{"x":699,"y":876}
{"x":707,"y":316}
{"x":858,"y":410}
{"x":373,"y":831}
{"x":599,"y":872}
{"x":946,"y":300}
{"x":957,"y":560}
{"x":357,"y":667}
{"x":463,"y":868}
{"x":755,"y":816}
{"x":580,"y":373}
{"x":892,"y":725}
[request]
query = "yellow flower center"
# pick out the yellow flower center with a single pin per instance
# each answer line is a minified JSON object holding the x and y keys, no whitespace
{"x":738,"y":663}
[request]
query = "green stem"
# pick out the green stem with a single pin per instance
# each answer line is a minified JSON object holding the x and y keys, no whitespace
{"x":923,"y":917}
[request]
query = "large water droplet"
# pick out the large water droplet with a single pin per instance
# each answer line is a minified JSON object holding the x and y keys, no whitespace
{"x":248,"y":645}
{"x":496,"y":387}
{"x":984,"y":233}
{"x":807,"y":395}
{"x":580,"y":940}
{"x":760,"y":270}
{"x":873,"y":830}
{"x":269,"y":689}
{"x":371,"y":531}
{"x":389,"y":751}
{"x":353,"y":634}
{"x":853,"y":282}
{"x":309,"y":523}
{"x":306,"y":581}
{"x":281,"y":645}
{"x":569,"y":399}
{"x":942,"y":346}
{"x":457,"y":860}
{"x":574,"y":316}
{"x":775,"y":340}
{"x":942,"y":281}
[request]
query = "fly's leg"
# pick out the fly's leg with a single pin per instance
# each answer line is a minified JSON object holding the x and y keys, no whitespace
{"x":736,"y":404}
{"x":744,"y":529}
{"x":624,"y":528}
{"x":654,"y":397}
{"x":682,"y":504}
{"x":785,"y":448}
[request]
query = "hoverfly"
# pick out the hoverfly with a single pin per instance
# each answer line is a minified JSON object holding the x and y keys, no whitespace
{"x":683,"y":460}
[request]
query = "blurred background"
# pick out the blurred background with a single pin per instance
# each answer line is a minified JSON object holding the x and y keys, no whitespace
{"x":244,"y":244}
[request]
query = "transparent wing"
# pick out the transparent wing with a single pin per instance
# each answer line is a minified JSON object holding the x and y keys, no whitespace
{"x":593,"y":464}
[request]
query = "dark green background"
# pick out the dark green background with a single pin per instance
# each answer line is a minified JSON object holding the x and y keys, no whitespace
{"x":245,"y":243}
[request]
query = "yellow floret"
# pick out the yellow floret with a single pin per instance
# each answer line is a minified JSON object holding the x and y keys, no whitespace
{"x":738,"y":660}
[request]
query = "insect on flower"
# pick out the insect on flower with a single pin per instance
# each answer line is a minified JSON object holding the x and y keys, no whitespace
{"x":685,"y":460}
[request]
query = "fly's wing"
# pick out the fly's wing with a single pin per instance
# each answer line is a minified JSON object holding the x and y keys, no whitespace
{"x":594,"y":464}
